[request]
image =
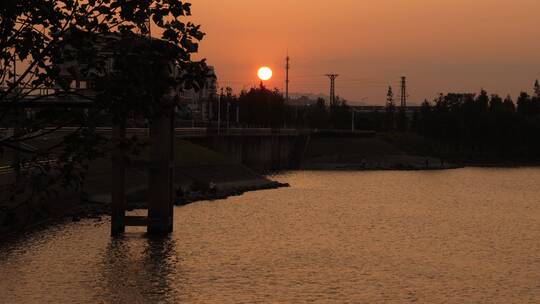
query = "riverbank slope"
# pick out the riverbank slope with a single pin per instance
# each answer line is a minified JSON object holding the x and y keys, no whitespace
{"x":200,"y":174}
{"x":377,"y":152}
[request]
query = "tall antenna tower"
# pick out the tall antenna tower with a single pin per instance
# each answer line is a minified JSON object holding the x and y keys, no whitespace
{"x":332,"y":87}
{"x":403,"y":92}
{"x":287,"y":67}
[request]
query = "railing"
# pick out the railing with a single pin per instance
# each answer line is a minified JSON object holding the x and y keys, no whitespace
{"x":204,"y":132}
{"x":25,"y":167}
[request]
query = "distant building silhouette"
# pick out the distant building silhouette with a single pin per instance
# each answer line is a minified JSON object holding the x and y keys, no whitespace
{"x":409,"y":110}
{"x":200,"y":103}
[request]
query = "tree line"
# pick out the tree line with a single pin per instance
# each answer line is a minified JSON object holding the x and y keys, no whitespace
{"x":479,"y":126}
{"x":483,"y":125}
{"x":260,"y":107}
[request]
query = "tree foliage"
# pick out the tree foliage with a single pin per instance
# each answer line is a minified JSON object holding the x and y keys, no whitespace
{"x":108,"y":42}
{"x":482,"y":127}
{"x":261,"y":107}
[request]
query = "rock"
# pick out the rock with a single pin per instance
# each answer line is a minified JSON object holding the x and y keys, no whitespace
{"x":100,"y":198}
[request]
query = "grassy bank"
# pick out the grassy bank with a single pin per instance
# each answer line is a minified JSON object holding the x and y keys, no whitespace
{"x":403,"y":151}
{"x":379,"y":152}
{"x":464,"y":155}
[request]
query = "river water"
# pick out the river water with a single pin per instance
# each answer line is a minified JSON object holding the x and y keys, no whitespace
{"x":459,"y":236}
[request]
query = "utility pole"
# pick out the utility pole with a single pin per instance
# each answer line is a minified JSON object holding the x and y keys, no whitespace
{"x":228,"y":113}
{"x":287,"y":67}
{"x":237,"y":114}
{"x":403,"y":92}
{"x":353,"y":117}
{"x":229,"y":93}
{"x":219,"y":112}
{"x":332,"y":87}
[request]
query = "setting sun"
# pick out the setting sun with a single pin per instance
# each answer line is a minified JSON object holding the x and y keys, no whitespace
{"x":264,"y":73}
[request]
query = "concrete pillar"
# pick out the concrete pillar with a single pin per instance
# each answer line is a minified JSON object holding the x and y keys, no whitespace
{"x":161,"y":173}
{"x":118,"y":193}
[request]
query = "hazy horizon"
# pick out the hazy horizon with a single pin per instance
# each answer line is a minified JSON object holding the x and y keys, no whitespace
{"x":441,"y":46}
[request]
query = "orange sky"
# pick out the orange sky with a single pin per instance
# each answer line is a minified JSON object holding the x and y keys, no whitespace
{"x":440,"y":45}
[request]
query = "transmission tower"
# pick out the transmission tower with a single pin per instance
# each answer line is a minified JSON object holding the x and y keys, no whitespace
{"x":332,"y":87}
{"x":403,"y":92}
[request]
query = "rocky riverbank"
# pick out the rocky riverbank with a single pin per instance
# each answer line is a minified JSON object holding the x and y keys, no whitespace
{"x":386,"y":162}
{"x":193,"y":184}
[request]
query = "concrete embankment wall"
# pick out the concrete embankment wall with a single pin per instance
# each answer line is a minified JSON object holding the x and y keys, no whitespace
{"x":268,"y":152}
{"x":293,"y":151}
